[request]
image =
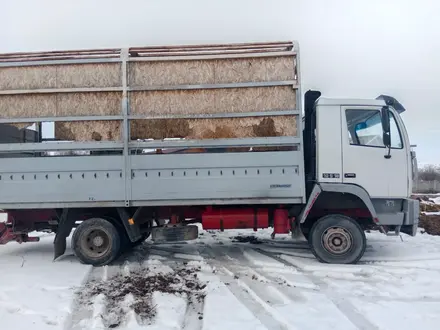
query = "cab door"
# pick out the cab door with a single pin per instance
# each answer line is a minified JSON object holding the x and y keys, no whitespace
{"x":366,"y":161}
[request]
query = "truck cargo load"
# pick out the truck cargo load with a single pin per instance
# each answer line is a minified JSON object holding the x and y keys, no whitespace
{"x":173,"y":92}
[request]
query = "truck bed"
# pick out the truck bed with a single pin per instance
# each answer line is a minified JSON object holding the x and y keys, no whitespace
{"x":235,"y":109}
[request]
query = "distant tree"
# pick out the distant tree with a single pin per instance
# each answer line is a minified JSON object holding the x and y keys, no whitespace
{"x":429,"y":173}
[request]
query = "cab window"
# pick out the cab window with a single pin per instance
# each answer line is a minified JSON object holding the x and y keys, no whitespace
{"x":365,"y":129}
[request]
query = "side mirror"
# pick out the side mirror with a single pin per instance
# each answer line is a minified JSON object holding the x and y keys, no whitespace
{"x":386,"y":139}
{"x":385,"y":119}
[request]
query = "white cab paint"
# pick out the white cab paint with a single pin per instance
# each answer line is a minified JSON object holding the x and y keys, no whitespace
{"x":367,"y":163}
{"x":381,"y":177}
{"x":402,"y":164}
{"x":328,"y":146}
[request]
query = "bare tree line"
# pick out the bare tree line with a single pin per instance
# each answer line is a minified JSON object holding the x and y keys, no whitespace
{"x":428,"y":179}
{"x":429,"y":173}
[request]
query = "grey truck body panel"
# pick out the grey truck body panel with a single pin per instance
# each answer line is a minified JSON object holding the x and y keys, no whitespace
{"x":174,"y":179}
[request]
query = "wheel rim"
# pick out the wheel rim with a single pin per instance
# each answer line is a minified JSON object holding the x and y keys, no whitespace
{"x":337,"y":240}
{"x":95,"y":243}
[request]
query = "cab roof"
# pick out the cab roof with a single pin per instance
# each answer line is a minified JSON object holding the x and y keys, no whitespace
{"x":381,"y":100}
{"x":353,"y":102}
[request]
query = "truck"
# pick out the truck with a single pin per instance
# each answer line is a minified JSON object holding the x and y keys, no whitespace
{"x":151,"y":142}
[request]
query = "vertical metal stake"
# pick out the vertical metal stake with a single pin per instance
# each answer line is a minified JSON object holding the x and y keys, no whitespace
{"x":299,"y":124}
{"x":126,"y":128}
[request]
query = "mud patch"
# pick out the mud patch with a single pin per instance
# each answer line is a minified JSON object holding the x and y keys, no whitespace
{"x":431,"y":224}
{"x":140,"y":286}
{"x":429,"y":207}
{"x":246,"y":239}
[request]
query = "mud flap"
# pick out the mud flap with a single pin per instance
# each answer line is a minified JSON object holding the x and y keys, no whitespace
{"x":296,"y":230}
{"x":3,"y":228}
{"x":132,"y":229}
{"x":67,"y":220}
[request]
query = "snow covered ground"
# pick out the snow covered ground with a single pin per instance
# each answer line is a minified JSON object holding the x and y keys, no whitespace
{"x":276,"y":284}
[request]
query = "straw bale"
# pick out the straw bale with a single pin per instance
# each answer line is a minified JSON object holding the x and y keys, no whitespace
{"x":209,"y":101}
{"x":63,"y":104}
{"x":89,"y":75}
{"x":179,"y":128}
{"x":33,"y":77}
{"x":83,"y":104}
{"x":254,"y":70}
{"x":255,"y":99}
{"x":88,"y":131}
{"x":162,"y":73}
{"x":60,"y":76}
{"x":172,"y":102}
{"x":214,"y":128}
{"x":171,"y":73}
{"x":29,"y":105}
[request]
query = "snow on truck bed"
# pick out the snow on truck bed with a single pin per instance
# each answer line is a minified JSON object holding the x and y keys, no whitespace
{"x":222,"y":281}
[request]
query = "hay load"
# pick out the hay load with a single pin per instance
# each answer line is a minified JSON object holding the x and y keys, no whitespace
{"x":194,"y":92}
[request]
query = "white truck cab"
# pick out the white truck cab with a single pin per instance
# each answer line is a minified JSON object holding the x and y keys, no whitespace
{"x":359,"y":173}
{"x":350,"y":147}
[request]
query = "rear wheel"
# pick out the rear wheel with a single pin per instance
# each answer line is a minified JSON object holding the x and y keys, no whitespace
{"x":337,"y":239}
{"x":96,"y":242}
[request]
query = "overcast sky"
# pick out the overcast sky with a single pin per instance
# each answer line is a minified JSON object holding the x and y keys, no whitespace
{"x":348,"y":48}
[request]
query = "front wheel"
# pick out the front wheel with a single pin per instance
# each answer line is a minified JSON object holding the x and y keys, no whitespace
{"x":337,"y":239}
{"x":96,"y":242}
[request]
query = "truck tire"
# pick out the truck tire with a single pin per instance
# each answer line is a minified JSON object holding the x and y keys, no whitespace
{"x":337,"y":239}
{"x":96,"y":242}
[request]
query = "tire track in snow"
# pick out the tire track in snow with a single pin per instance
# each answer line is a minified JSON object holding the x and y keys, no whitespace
{"x":175,"y":256}
{"x":248,"y":291}
{"x":79,"y":311}
{"x":82,"y":313}
{"x":193,"y":318}
{"x":298,"y":291}
{"x":138,"y":260}
{"x":345,"y":306}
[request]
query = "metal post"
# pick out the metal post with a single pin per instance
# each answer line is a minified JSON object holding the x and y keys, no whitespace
{"x":299,"y":106}
{"x":126,"y":128}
